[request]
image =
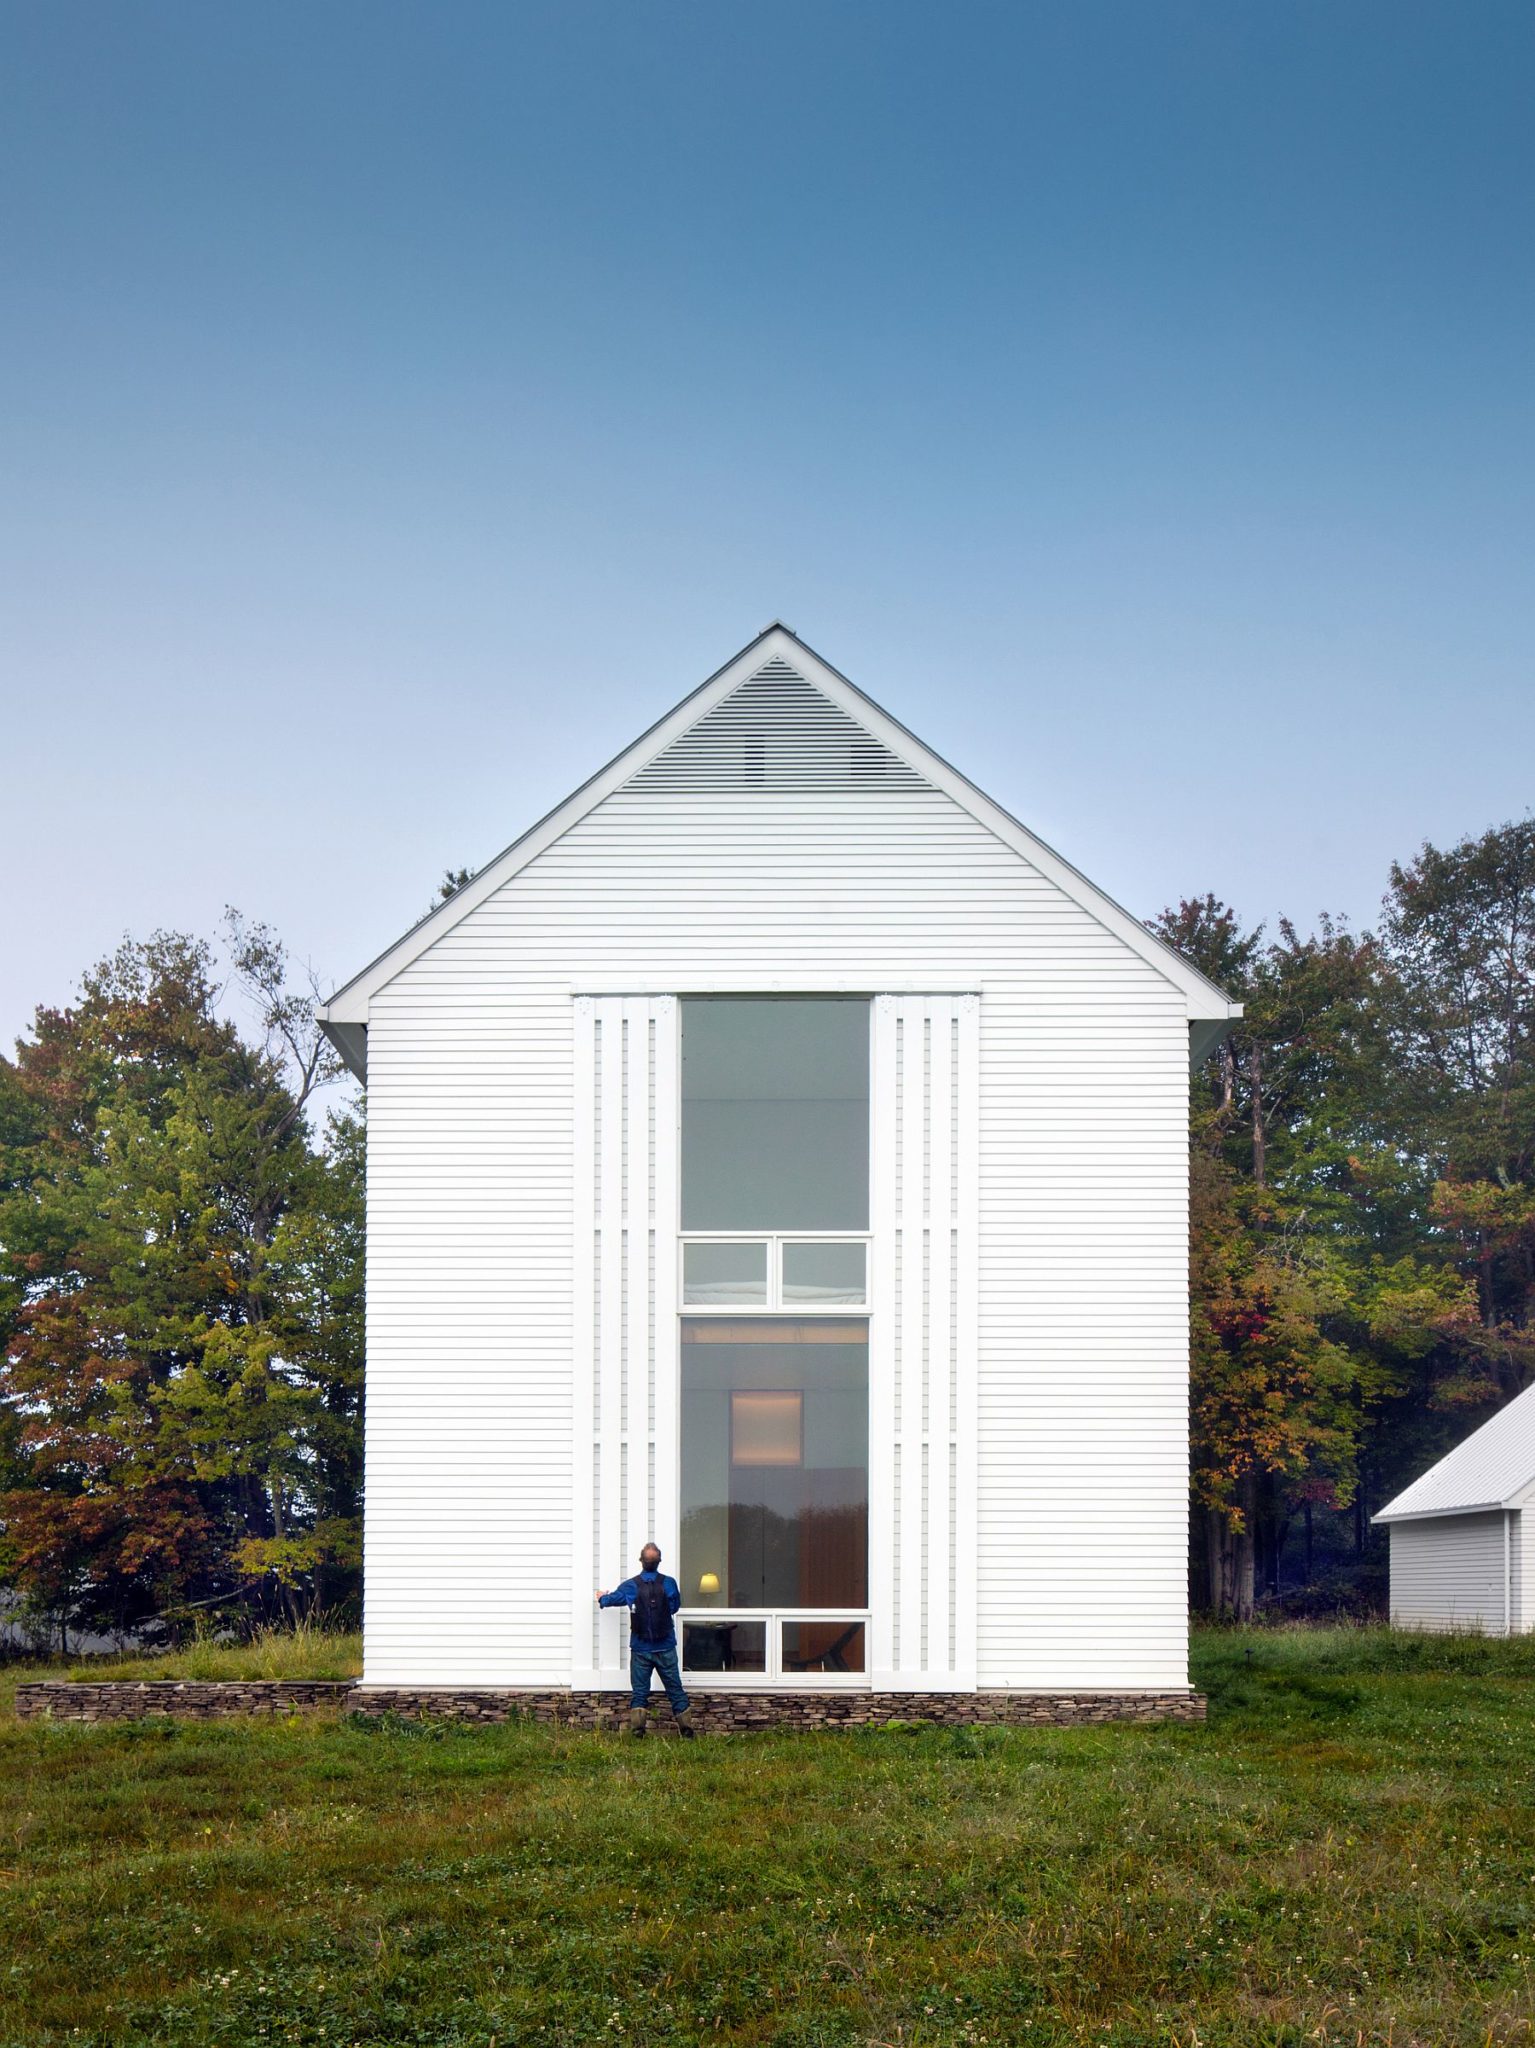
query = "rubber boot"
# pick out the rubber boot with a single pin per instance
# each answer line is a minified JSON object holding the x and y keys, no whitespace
{"x":685,"y":1724}
{"x":637,"y":1718}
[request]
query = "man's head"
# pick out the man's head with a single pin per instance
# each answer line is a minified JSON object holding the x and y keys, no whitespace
{"x":650,"y":1558}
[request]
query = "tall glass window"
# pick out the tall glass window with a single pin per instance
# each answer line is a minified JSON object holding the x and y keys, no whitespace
{"x":775,"y":1114}
{"x":775,"y":1462}
{"x":775,"y":1351}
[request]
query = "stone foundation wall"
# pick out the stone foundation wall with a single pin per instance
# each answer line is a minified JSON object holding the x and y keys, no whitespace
{"x":738,"y":1712}
{"x":719,"y":1712}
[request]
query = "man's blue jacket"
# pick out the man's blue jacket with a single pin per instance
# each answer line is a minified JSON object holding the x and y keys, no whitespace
{"x":623,"y":1596}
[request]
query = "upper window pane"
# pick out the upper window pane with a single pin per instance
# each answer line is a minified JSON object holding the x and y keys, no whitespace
{"x":775,"y":1113}
{"x":734,"y":1273}
{"x":826,"y":1273}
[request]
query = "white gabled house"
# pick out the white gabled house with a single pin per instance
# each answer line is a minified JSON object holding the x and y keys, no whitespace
{"x":779,"y":1152}
{"x":1463,"y":1536}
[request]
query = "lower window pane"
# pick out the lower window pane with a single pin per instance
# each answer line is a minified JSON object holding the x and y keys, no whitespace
{"x":823,"y":1646}
{"x":775,"y":1462}
{"x":724,"y":1646}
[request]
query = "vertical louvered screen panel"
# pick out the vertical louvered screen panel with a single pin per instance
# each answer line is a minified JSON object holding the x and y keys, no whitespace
{"x":775,"y":733}
{"x":923,"y":1339}
{"x":625,"y":1461}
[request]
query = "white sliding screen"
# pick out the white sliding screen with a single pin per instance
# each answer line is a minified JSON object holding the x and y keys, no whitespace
{"x":925,"y":1131}
{"x":625,"y":1462}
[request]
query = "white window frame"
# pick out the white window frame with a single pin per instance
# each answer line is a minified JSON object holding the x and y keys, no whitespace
{"x":774,"y":1307}
{"x":774,"y":1242}
{"x":775,"y":1674}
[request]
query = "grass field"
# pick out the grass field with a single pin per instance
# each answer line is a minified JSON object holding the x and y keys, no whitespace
{"x":1346,"y":1854}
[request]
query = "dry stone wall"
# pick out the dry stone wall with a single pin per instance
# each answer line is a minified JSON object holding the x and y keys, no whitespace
{"x":187,"y":1699}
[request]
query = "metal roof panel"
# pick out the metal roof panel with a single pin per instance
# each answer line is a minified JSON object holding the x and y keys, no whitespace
{"x":1491,"y":1469}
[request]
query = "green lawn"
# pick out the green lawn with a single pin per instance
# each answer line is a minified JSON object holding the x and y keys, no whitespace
{"x":1345,"y":1854}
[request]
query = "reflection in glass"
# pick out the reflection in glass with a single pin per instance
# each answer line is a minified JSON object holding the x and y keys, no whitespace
{"x":767,"y":1428}
{"x":823,"y":1646}
{"x":825,"y":1273}
{"x":775,"y":1113}
{"x":732,"y":1275}
{"x":724,"y":1646}
{"x":775,"y":1460}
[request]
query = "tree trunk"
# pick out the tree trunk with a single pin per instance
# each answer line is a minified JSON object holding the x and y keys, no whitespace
{"x":1270,"y":1526}
{"x":1229,"y":1559}
{"x":1243,"y":1547}
{"x":1260,"y":1142}
{"x":1216,"y":1533}
{"x":1279,"y":1532}
{"x":284,"y":1591}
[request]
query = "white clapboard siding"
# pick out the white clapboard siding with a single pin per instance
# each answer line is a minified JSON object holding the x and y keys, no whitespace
{"x":1521,"y":1532}
{"x":925,"y":1095}
{"x":1451,"y":1572}
{"x":477,"y":1534}
{"x":624,"y":1451}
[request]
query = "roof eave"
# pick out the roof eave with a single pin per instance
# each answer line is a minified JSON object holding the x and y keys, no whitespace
{"x":1206,"y":1033}
{"x":1390,"y":1513}
{"x":351,"y":1041}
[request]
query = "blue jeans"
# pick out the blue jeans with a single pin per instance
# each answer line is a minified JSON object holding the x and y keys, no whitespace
{"x":645,"y":1658}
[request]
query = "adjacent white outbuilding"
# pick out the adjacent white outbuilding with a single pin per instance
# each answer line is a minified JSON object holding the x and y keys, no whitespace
{"x":781,"y":1153}
{"x":1460,"y":1537}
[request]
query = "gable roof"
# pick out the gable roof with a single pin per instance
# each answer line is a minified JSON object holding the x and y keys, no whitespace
{"x":1493,"y":1468}
{"x":779,"y":658}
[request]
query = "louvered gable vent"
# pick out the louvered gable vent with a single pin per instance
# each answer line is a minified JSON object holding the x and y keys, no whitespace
{"x":776,"y":731}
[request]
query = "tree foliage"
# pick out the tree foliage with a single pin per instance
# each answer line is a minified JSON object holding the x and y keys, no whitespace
{"x":1363,"y":1199}
{"x":180,"y":1288}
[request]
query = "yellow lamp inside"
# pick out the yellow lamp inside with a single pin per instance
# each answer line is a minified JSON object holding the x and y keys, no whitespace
{"x":709,"y":1582}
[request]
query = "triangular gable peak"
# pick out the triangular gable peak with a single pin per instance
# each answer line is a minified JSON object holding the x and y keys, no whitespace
{"x":776,"y":718}
{"x":777,"y":731}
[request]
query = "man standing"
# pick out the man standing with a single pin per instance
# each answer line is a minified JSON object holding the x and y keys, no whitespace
{"x":652,"y":1599}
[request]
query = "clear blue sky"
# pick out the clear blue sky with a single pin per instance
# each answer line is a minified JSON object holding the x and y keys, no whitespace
{"x":404,"y":405}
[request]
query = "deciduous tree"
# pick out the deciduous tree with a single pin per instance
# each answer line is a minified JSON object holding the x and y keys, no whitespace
{"x":182,"y":1360}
